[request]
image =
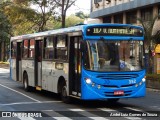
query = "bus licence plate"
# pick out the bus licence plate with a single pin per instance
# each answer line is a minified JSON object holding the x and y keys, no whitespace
{"x":120,"y":92}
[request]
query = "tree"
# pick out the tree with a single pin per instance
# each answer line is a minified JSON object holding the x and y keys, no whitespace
{"x":150,"y":39}
{"x":45,"y":12}
{"x":73,"y":20}
{"x":5,"y":33}
{"x":81,"y":15}
{"x":63,"y":6}
{"x":26,"y":19}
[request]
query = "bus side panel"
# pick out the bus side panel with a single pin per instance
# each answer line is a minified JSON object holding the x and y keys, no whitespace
{"x":20,"y":71}
{"x":13,"y":69}
{"x":39,"y":74}
{"x":47,"y":75}
{"x":62,"y":73}
{"x":51,"y":75}
{"x":28,"y":66}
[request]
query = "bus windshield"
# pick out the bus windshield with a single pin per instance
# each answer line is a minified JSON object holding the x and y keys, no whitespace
{"x":114,"y":55}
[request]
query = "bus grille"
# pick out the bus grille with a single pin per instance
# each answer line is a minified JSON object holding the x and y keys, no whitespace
{"x":117,"y":76}
{"x":115,"y":86}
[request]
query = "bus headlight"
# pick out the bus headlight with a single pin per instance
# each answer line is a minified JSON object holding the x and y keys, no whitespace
{"x":88,"y":80}
{"x":136,"y":85}
{"x":140,"y":83}
{"x":99,"y":86}
{"x":143,"y":80}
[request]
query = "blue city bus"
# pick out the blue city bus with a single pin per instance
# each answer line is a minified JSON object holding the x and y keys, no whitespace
{"x":88,"y":62}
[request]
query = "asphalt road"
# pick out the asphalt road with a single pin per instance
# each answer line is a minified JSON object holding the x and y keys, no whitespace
{"x":17,"y":104}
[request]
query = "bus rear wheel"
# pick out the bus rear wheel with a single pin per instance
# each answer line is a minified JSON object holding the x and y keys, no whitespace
{"x":65,"y":98}
{"x":25,"y":83}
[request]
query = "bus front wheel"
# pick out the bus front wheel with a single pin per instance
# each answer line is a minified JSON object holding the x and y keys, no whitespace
{"x":64,"y":96}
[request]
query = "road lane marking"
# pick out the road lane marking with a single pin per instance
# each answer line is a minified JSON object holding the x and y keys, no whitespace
{"x":47,"y":110}
{"x":76,"y":110}
{"x":62,"y":118}
{"x":86,"y":114}
{"x":26,"y":118}
{"x":20,"y":93}
{"x":134,"y":109}
{"x":106,"y":109}
{"x":98,"y":118}
{"x":20,"y":103}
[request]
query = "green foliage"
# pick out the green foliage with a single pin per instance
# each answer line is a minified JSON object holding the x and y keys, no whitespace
{"x":29,"y":16}
{"x":73,"y":20}
{"x":81,"y":15}
{"x":150,"y":40}
{"x":148,"y":29}
{"x":5,"y":28}
{"x":154,"y":77}
{"x":63,"y":6}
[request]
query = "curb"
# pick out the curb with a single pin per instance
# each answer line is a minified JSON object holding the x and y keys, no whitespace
{"x":153,"y":90}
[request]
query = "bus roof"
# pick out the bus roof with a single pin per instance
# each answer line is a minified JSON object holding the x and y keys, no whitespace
{"x":66,"y":30}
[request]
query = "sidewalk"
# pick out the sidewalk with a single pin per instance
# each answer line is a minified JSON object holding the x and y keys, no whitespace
{"x":154,"y":90}
{"x":4,"y":70}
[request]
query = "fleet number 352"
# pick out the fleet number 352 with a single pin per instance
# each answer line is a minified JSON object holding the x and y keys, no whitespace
{"x":132,"y":81}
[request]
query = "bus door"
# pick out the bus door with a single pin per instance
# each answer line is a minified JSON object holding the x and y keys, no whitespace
{"x":38,"y":63}
{"x":75,"y":66}
{"x":19,"y":62}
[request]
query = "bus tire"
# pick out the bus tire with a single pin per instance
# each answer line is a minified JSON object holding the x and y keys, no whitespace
{"x":64,"y":97}
{"x":25,"y":83}
{"x":114,"y":100}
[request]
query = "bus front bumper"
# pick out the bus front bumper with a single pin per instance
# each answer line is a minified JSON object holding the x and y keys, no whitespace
{"x":90,"y":92}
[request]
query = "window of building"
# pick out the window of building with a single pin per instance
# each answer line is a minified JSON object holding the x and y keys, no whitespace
{"x":147,"y":14}
{"x":48,"y":48}
{"x":61,"y":47}
{"x":13,"y":49}
{"x":25,"y":48}
{"x":107,"y":19}
{"x":31,"y":48}
{"x":131,"y":17}
{"x":118,"y":18}
{"x":96,"y":1}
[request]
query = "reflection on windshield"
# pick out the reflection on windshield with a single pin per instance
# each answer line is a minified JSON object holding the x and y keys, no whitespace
{"x":114,"y":55}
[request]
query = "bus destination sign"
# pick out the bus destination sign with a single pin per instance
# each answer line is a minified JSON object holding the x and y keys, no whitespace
{"x":116,"y":31}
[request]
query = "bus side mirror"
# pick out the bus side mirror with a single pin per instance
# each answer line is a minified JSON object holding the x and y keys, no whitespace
{"x":83,"y":46}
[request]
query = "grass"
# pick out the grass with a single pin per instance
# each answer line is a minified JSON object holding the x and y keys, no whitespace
{"x":4,"y":62}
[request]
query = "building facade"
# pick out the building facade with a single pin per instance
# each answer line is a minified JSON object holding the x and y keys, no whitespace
{"x":127,"y":12}
{"x":124,"y":11}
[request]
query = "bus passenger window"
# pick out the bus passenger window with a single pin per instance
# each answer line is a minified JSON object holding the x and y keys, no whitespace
{"x":48,"y":48}
{"x":13,"y":49}
{"x":61,"y":48}
{"x":31,"y":49}
{"x":25,"y":48}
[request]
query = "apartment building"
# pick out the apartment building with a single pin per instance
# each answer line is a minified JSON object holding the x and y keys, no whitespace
{"x":124,"y":11}
{"x":127,"y":11}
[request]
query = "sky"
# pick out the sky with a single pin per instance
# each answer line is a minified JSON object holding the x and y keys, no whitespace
{"x":80,"y":5}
